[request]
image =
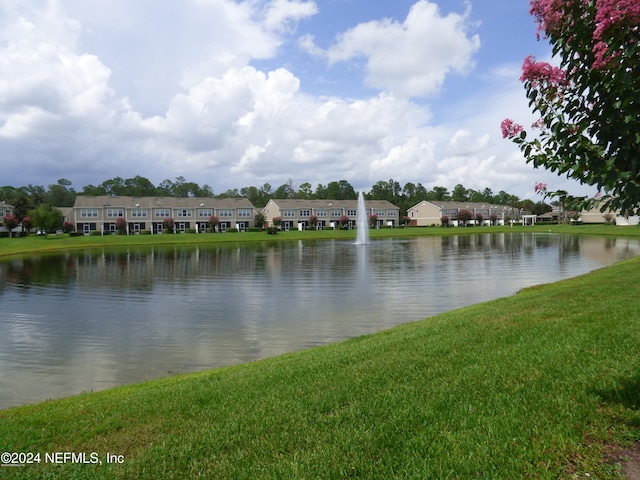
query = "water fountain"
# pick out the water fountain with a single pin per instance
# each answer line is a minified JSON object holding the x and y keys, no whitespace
{"x":362,"y":223}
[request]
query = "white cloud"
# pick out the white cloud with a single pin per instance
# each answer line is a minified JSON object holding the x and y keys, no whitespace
{"x":94,"y":90}
{"x":463,"y":143}
{"x":410,"y":59}
{"x":282,"y":13}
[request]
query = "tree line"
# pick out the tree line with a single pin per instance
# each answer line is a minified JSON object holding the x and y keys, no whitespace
{"x":62,"y":194}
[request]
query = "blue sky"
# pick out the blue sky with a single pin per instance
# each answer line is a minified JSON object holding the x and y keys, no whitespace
{"x":238,"y":93}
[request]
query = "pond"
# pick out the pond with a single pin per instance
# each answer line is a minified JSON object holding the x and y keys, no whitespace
{"x":93,"y":319}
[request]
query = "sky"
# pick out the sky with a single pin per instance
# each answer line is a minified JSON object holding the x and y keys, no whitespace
{"x":231,"y":93}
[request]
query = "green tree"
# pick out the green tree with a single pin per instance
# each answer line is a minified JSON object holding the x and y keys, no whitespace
{"x":589,"y":106}
{"x":165,"y":188}
{"x":409,"y":190}
{"x":46,"y":217}
{"x":8,"y":194}
{"x":503,"y":198}
{"x":389,"y":190}
{"x":93,"y":191}
{"x":22,"y":204}
{"x":139,"y":187}
{"x":487,"y":195}
{"x":255,"y":195}
{"x":61,"y":194}
{"x":340,"y":190}
{"x":421,"y":193}
{"x":304,"y":191}
{"x":540,"y":207}
{"x":36,"y":193}
{"x":459,"y":194}
{"x":259,"y":220}
{"x":440,"y":193}
{"x":284,"y":191}
{"x":114,"y":186}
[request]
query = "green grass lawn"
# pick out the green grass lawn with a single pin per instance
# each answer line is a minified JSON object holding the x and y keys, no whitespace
{"x":542,"y":384}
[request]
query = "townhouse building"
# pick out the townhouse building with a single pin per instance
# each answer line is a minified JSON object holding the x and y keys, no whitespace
{"x":297,"y":213}
{"x":596,"y":214}
{"x":100,"y":213}
{"x":431,"y":212}
{"x":5,"y":209}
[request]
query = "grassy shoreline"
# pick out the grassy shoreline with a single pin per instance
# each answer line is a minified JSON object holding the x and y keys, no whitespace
{"x":542,"y":384}
{"x":13,"y":247}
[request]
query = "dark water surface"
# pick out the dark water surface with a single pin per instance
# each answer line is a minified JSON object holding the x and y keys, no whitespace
{"x":94,"y":319}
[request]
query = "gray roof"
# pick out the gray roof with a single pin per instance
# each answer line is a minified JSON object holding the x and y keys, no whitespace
{"x":83,"y":201}
{"x":294,"y":203}
{"x":449,"y":205}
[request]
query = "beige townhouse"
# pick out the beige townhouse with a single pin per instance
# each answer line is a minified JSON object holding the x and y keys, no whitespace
{"x":596,"y":215}
{"x":431,"y":212}
{"x":90,"y":214}
{"x":5,"y":210}
{"x":296,"y":214}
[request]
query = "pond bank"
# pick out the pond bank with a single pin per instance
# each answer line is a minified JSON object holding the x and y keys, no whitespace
{"x":10,"y":247}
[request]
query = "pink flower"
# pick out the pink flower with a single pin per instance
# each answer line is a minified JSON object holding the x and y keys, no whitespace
{"x":551,"y":15}
{"x":614,"y":19}
{"x":540,"y":188}
{"x":538,"y":124}
{"x":510,"y":128}
{"x":612,"y":14}
{"x":541,"y":72}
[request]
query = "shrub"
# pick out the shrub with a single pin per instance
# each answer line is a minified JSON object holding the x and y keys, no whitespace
{"x":214,"y":222}
{"x":169,"y":225}
{"x":121,"y":226}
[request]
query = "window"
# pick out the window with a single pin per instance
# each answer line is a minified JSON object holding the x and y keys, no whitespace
{"x":89,"y":212}
{"x":244,"y":212}
{"x":226,"y":213}
{"x":139,"y":212}
{"x":352,"y":213}
{"x":288,"y":213}
{"x":336,"y":213}
{"x":187,"y":212}
{"x":205,"y":212}
{"x":391,"y":213}
{"x":305,"y":213}
{"x":321,"y":212}
{"x":115,"y":212}
{"x":379,"y":213}
{"x":162,"y":212}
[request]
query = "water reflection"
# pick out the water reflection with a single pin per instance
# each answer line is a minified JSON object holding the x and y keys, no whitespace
{"x":98,"y":318}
